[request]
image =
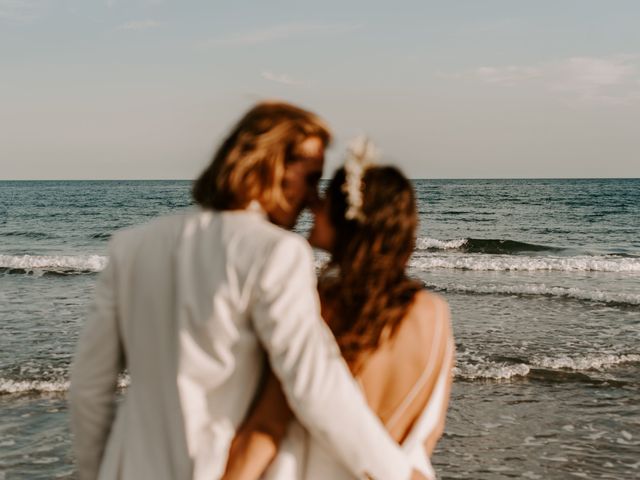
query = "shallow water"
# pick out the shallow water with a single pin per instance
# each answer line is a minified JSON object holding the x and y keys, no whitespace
{"x":542,"y":276}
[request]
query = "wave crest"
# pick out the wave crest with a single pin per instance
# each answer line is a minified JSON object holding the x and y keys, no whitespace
{"x":582,"y":263}
{"x":482,"y":245}
{"x":595,"y":362}
{"x":12,"y":386}
{"x":561,"y":368}
{"x":52,"y":263}
{"x":491,"y":371}
{"x":426,"y":243}
{"x":542,"y":290}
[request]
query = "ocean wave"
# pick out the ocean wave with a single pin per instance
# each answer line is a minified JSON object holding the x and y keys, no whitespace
{"x":562,"y":368}
{"x":491,"y":246}
{"x":9,"y":385}
{"x":40,"y":264}
{"x":593,"y":362}
{"x":483,"y":245}
{"x":542,"y":290}
{"x":515,"y":263}
{"x":491,"y":371}
{"x":426,"y":243}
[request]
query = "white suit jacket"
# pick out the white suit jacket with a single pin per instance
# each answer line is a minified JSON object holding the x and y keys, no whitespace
{"x":188,"y":304}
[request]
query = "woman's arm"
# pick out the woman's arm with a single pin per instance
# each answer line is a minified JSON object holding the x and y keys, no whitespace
{"x":256,"y":442}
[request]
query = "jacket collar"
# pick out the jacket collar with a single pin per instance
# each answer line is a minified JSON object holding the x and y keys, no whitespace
{"x":255,"y":207}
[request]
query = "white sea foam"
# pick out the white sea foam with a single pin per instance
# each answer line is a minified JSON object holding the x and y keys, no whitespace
{"x":34,"y":263}
{"x":425,"y":243}
{"x":486,"y":369}
{"x":95,"y":263}
{"x":491,"y":370}
{"x":8,"y":385}
{"x":544,"y":290}
{"x":524,"y":263}
{"x":589,"y":362}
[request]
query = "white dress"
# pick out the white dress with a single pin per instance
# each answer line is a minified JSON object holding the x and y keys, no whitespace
{"x":302,"y":457}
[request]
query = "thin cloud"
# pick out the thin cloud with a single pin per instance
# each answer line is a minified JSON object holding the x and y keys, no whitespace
{"x":280,"y":78}
{"x":596,"y":80}
{"x":590,"y":77}
{"x":140,"y":25}
{"x":281,"y":32}
{"x":510,"y":75}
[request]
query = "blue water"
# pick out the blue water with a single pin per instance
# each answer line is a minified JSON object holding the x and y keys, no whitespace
{"x":543,"y":278}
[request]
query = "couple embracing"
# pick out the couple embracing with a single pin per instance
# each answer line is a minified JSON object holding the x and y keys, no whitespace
{"x":243,"y":363}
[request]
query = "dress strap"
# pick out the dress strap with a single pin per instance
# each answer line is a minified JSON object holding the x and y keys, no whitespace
{"x":417,"y":387}
{"x":429,"y":419}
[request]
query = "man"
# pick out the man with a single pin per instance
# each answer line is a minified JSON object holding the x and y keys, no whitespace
{"x":189,"y":302}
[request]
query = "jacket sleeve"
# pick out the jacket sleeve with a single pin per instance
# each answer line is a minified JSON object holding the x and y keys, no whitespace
{"x":94,"y":376}
{"x":316,"y":380}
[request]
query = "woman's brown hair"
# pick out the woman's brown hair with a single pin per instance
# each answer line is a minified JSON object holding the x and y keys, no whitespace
{"x":250,"y":163}
{"x":365,"y":280}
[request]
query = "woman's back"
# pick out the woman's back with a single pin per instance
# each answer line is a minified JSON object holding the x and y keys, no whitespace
{"x":406,"y":382}
{"x":399,"y":378}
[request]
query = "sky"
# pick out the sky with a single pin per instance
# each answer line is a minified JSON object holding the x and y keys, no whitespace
{"x":147,"y":89}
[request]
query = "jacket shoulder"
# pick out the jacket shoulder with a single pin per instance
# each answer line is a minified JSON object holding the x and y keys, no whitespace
{"x":155,"y":228}
{"x":278,"y":241}
{"x":251,"y":229}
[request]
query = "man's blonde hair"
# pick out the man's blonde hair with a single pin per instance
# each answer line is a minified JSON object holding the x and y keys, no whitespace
{"x":250,"y":163}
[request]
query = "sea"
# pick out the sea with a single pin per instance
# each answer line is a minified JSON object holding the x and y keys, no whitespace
{"x":542,"y":277}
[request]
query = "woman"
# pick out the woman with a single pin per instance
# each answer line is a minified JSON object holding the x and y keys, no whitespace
{"x":395,"y":336}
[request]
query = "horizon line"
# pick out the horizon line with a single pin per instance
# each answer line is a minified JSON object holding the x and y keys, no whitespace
{"x":323,"y":178}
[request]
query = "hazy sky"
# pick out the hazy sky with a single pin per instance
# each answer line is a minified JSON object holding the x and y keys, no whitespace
{"x":448,"y":89}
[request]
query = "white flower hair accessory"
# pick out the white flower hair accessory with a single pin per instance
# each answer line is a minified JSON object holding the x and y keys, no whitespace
{"x":361,"y":154}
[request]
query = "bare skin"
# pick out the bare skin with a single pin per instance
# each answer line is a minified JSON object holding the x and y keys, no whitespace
{"x":386,"y":376}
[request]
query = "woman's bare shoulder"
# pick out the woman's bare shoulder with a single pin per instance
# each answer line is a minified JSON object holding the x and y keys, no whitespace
{"x":429,"y":304}
{"x":429,"y":313}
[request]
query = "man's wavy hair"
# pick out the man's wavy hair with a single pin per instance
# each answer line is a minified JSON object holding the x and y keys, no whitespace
{"x":250,"y":163}
{"x":365,"y":281}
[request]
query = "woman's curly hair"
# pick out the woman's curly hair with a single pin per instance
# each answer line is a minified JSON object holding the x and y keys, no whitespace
{"x":365,"y":280}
